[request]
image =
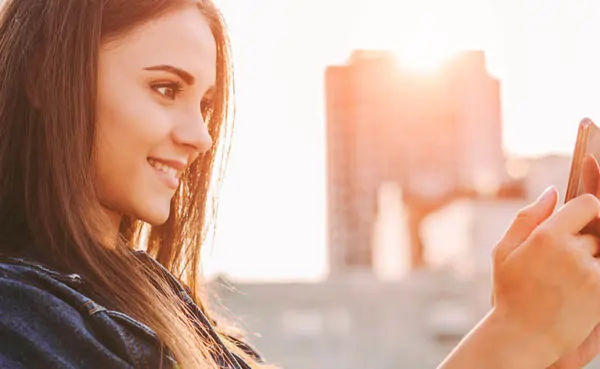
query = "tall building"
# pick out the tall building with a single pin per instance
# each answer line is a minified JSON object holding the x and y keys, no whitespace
{"x":437,"y":135}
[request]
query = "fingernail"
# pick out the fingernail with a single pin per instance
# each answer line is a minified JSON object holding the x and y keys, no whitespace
{"x":546,"y":195}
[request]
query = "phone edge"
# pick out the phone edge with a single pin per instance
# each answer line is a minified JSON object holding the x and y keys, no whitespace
{"x":578,"y":152}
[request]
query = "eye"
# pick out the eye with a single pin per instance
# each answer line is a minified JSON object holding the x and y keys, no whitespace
{"x":169,"y":90}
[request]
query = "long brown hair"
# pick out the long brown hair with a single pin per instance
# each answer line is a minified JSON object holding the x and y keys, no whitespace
{"x":48,"y":82}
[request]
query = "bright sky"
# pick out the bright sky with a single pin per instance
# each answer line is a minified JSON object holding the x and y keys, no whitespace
{"x":272,"y":213}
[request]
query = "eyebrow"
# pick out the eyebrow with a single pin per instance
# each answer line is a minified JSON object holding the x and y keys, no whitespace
{"x":185,"y":76}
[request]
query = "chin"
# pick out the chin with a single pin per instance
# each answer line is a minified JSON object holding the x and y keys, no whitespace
{"x":155,"y":216}
{"x":155,"y":221}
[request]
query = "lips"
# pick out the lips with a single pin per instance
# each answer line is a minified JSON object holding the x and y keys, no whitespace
{"x":164,"y":167}
{"x":168,"y":171}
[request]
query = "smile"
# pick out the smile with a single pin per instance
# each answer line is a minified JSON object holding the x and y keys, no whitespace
{"x":166,"y":173}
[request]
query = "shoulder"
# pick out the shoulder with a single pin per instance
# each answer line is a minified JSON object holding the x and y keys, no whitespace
{"x":29,"y":291}
{"x":41,"y":327}
{"x":28,"y":298}
{"x":238,"y":338}
{"x":247,"y":348}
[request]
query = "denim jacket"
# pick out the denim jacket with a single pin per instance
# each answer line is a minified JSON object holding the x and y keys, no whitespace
{"x":46,"y":322}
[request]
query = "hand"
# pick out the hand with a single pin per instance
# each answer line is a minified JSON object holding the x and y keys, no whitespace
{"x":546,"y":292}
{"x":546,"y":282}
{"x":582,"y":355}
{"x":590,"y":180}
{"x":590,"y":174}
{"x":590,"y":348}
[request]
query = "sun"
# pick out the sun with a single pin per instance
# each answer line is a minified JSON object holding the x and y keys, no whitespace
{"x":426,"y":55}
{"x":422,"y":35}
{"x":426,"y":45}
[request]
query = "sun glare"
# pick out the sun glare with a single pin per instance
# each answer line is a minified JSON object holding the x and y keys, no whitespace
{"x":422,"y":35}
{"x":427,"y":48}
{"x":424,"y":59}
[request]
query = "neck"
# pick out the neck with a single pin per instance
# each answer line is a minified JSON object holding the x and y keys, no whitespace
{"x":110,"y":231}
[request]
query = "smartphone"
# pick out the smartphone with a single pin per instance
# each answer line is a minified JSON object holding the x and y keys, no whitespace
{"x":585,"y":172}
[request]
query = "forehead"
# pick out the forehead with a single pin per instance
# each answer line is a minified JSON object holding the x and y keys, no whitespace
{"x":181,"y":38}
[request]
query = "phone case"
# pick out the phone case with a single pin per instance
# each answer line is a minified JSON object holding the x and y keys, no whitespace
{"x":588,"y":142}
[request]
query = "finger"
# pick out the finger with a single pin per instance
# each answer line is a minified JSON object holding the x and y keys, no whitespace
{"x":592,"y":228}
{"x":588,"y":243}
{"x":524,"y":223}
{"x":572,"y":217}
{"x":590,"y":178}
{"x":590,"y":174}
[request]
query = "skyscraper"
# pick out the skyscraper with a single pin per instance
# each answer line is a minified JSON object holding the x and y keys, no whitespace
{"x":437,"y":135}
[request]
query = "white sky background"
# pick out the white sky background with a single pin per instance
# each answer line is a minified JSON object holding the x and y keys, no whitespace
{"x":272,"y":212}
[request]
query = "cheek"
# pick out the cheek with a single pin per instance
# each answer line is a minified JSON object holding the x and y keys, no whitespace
{"x":133,"y":120}
{"x":127,"y":131}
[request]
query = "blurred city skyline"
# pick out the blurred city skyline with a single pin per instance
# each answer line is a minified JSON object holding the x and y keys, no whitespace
{"x":272,"y":213}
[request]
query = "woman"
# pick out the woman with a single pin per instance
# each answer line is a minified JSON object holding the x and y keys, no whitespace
{"x":109,"y":111}
{"x":113,"y":126}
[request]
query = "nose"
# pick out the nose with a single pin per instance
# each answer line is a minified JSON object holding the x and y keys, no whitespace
{"x":192,"y":133}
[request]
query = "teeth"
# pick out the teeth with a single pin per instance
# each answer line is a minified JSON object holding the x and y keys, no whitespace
{"x":164,"y":168}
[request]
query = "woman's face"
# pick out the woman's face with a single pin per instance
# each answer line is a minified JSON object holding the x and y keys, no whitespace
{"x":151,"y":85}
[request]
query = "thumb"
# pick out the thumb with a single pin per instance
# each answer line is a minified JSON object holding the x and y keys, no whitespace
{"x":524,"y":223}
{"x":590,"y":174}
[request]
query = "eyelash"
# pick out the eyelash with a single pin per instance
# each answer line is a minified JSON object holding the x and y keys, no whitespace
{"x":176,"y":87}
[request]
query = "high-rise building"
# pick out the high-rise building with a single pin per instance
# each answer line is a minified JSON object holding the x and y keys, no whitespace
{"x":436,"y":135}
